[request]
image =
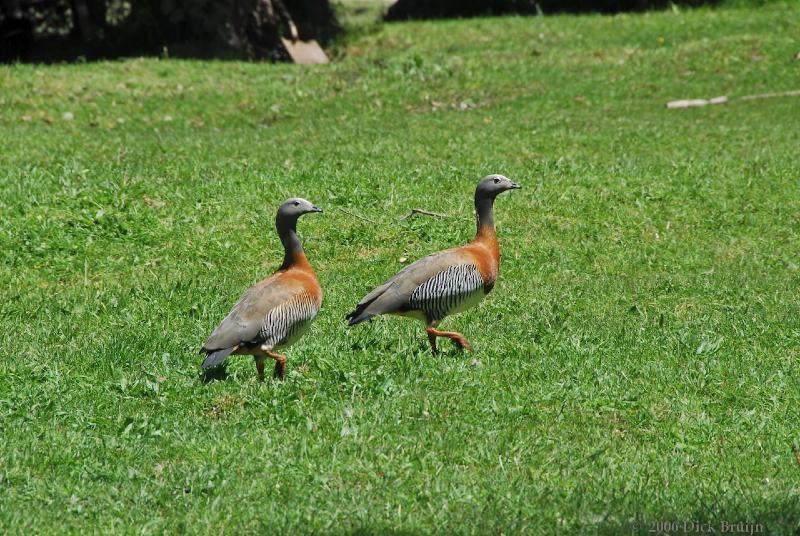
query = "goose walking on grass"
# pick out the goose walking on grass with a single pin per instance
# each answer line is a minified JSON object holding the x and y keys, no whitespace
{"x":446,"y":282}
{"x":277,"y":311}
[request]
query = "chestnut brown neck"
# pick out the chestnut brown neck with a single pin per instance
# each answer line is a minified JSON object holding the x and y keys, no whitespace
{"x":293,"y":254}
{"x":296,"y":260}
{"x":486,"y":235}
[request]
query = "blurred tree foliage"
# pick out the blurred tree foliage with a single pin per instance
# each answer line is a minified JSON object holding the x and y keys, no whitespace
{"x":197,"y":28}
{"x":427,"y":9}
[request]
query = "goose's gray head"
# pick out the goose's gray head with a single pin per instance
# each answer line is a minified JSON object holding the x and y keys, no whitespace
{"x":493,"y":185}
{"x":295,"y":207}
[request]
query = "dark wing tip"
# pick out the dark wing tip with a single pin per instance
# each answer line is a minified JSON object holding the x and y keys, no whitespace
{"x":216,"y":357}
{"x":357,"y":317}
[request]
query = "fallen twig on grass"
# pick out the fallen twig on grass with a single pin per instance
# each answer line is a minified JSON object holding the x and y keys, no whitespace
{"x":423,"y":212}
{"x":692,"y":103}
{"x":771,"y":95}
{"x":401,"y":218}
{"x":359,"y":216}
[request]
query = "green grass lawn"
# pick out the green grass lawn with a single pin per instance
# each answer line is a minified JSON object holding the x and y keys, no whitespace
{"x":636,"y":362}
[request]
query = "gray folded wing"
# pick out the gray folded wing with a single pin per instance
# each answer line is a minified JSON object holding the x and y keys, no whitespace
{"x":396,"y":294}
{"x":245,"y":322}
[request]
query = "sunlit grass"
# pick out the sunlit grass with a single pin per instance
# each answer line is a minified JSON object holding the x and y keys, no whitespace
{"x":636,"y":362}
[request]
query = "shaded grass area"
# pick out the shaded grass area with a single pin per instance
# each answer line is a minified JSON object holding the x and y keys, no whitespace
{"x":636,"y":362}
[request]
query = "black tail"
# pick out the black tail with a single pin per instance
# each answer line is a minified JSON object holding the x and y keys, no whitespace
{"x":215,"y":357}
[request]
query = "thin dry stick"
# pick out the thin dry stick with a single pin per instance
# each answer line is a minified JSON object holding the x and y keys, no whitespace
{"x":424,"y":213}
{"x":359,"y":216}
{"x":771,"y":95}
{"x":691,"y":103}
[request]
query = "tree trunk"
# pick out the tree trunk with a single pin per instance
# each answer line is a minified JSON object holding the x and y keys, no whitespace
{"x":186,"y":28}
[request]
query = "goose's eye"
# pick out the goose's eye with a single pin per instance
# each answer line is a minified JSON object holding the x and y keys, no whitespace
{"x":297,"y":203}
{"x":497,"y":181}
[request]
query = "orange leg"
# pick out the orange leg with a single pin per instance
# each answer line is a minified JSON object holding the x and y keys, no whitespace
{"x":432,"y":340}
{"x":280,"y":364}
{"x":454,"y":336}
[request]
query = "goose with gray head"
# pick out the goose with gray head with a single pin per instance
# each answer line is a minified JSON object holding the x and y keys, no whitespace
{"x":276,"y":312}
{"x":446,"y":282}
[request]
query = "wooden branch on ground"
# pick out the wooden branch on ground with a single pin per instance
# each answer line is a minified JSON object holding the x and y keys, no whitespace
{"x":693,"y":103}
{"x":771,"y":95}
{"x":413,"y":211}
{"x":423,"y":212}
{"x":359,"y":216}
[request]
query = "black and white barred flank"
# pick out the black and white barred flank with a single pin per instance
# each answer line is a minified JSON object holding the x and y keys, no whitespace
{"x":287,"y":322}
{"x":451,"y":290}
